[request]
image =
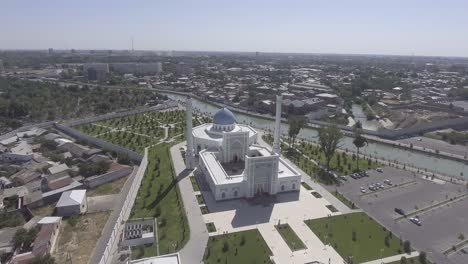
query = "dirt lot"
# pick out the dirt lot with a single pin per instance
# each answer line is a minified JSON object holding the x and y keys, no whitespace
{"x":79,"y":239}
{"x":403,"y":118}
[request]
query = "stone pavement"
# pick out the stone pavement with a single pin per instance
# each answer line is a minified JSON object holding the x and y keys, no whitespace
{"x":393,"y":258}
{"x":265,"y":212}
{"x":194,"y":250}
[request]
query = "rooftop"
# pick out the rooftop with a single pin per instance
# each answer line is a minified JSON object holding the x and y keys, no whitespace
{"x":70,"y":198}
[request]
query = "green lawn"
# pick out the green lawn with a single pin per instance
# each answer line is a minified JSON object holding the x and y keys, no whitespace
{"x":240,"y":247}
{"x":195,"y":186}
{"x":135,"y":132}
{"x":290,"y":237}
{"x":356,"y":235}
{"x":200,"y":199}
{"x":211,"y":227}
{"x":342,"y":163}
{"x":306,"y":186}
{"x":332,"y":208}
{"x":204,"y":210}
{"x":159,"y":196}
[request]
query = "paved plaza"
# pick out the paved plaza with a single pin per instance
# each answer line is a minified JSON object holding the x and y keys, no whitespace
{"x":264,"y":213}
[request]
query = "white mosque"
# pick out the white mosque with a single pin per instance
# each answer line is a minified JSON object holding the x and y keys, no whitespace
{"x":232,"y":162}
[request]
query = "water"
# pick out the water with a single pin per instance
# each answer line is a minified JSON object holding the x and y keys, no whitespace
{"x":360,"y":116}
{"x":387,"y":152}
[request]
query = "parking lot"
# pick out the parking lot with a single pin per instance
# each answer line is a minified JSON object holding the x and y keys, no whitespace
{"x":441,"y":225}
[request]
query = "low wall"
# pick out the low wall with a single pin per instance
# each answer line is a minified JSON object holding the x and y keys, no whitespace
{"x":93,"y":182}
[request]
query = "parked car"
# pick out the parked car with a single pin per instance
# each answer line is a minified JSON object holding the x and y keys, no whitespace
{"x":379,"y":170}
{"x":344,"y":178}
{"x":400,"y":211}
{"x":389,"y":182}
{"x":416,"y":220}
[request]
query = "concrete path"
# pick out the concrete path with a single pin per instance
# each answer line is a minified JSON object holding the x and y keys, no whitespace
{"x":101,"y":203}
{"x":316,"y":186}
{"x":194,"y":250}
{"x":393,"y":258}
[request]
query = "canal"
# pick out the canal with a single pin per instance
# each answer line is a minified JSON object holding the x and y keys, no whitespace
{"x":375,"y":149}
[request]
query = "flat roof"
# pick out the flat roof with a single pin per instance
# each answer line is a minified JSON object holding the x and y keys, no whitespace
{"x":74,"y":197}
{"x":216,"y":170}
{"x":49,"y":220}
{"x":164,"y":259}
{"x":285,"y":169}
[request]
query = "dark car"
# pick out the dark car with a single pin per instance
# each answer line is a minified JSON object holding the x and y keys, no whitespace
{"x":400,"y":211}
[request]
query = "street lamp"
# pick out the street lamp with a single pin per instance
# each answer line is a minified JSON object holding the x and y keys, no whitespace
{"x":381,"y":255}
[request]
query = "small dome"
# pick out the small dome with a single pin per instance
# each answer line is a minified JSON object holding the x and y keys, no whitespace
{"x":224,"y":117}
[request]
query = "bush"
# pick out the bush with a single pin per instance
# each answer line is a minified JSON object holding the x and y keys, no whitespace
{"x":225,"y":247}
{"x":422,"y":257}
{"x":407,"y":247}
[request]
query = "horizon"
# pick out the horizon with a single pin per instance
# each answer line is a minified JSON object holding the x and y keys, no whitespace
{"x":399,"y":28}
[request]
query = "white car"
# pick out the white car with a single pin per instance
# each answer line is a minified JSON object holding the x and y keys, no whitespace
{"x":379,"y":170}
{"x":416,"y":220}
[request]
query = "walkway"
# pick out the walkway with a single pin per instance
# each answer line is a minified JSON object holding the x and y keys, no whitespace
{"x":393,"y":258}
{"x":194,"y":250}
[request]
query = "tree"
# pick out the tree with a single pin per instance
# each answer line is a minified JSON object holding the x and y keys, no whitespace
{"x":124,"y":159}
{"x":403,"y":260}
{"x":407,"y":246}
{"x":296,"y":123}
{"x":359,"y":141}
{"x":422,"y":257}
{"x":46,"y":259}
{"x":329,"y":138}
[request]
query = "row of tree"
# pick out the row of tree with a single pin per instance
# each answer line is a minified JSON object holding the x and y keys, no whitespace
{"x":329,"y":138}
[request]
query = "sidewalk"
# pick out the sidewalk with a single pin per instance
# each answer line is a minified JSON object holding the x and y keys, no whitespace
{"x":194,"y":250}
{"x":393,"y":258}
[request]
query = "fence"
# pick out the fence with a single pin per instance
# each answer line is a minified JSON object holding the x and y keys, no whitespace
{"x":127,"y":205}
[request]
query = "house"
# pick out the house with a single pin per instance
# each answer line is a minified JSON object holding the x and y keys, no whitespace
{"x":45,"y":240}
{"x":5,"y":183}
{"x":72,"y":203}
{"x":77,"y":150}
{"x":22,"y":152}
{"x":25,"y":176}
{"x":58,"y":168}
{"x":56,"y":181}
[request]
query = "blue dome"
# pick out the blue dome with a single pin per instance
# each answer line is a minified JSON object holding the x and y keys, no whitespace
{"x":224,"y":117}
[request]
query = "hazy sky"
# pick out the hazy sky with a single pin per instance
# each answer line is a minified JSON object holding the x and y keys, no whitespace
{"x":419,"y":27}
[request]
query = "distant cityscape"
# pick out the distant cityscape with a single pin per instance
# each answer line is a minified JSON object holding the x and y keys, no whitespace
{"x":131,"y":156}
